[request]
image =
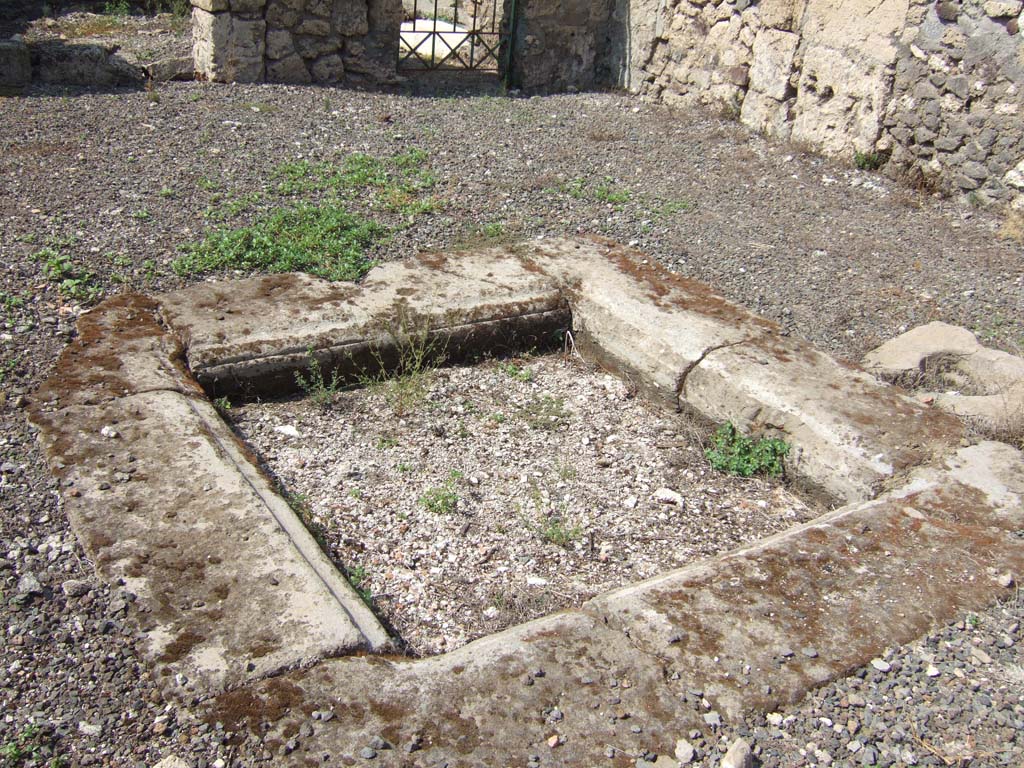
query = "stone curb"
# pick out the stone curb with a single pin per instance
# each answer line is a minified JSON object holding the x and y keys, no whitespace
{"x":864,"y":570}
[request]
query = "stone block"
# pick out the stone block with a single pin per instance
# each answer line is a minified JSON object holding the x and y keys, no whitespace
{"x":279,"y":44}
{"x":198,"y":534}
{"x":841,"y":100}
{"x":777,"y":14}
{"x":15,"y":66}
{"x":291,"y":69}
{"x":947,"y":11}
{"x":315,"y":47}
{"x":247,"y":6}
{"x":350,"y":18}
{"x":211,"y":6}
{"x":321,"y":8}
{"x":283,"y":14}
{"x":1003,"y":9}
{"x":328,"y":69}
{"x":313,"y":27}
{"x":228,"y":49}
{"x":1015,"y":176}
{"x":773,"y":61}
{"x":766,"y":115}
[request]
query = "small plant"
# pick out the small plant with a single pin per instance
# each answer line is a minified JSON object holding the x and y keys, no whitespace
{"x":315,"y":385}
{"x":404,"y":377}
{"x":737,"y":454}
{"x":442,"y":500}
{"x":117,"y":8}
{"x":223,"y":406}
{"x":492,"y":230}
{"x":142,"y":215}
{"x":8,"y":367}
{"x":360,"y":581}
{"x":28,"y":748}
{"x":72,"y":281}
{"x":607,"y":193}
{"x":167,"y":193}
{"x":10,"y":302}
{"x":322,"y":240}
{"x":576,"y":188}
{"x":672,"y":207}
{"x":404,"y":466}
{"x":555,"y":531}
{"x":207,"y":184}
{"x":384,"y":442}
{"x":869,"y":161}
{"x":544,"y":412}
{"x":513,"y":371}
{"x":973,"y":620}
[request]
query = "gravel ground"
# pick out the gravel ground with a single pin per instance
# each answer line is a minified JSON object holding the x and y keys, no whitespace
{"x":499,"y":493}
{"x":112,"y":183}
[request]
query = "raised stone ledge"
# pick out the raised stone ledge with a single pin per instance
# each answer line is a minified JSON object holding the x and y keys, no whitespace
{"x":233,"y":592}
{"x":782,"y":616}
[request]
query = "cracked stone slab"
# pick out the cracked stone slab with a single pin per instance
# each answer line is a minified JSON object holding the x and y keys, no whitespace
{"x":850,"y":434}
{"x":249,"y":336}
{"x":848,"y":584}
{"x":230,"y":585}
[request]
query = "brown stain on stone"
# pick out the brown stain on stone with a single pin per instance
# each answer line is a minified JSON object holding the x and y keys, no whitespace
{"x":250,"y":707}
{"x":180,"y":646}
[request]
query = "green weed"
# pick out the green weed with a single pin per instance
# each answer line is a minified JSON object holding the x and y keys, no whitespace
{"x":117,"y":8}
{"x":72,"y":281}
{"x":8,"y":367}
{"x":555,"y":531}
{"x":442,"y":500}
{"x":513,"y":371}
{"x":323,"y":240}
{"x":545,"y":412}
{"x":493,"y":230}
{"x":10,"y":302}
{"x":672,"y":207}
{"x":736,"y":454}
{"x":316,"y":386}
{"x":869,"y":161}
{"x":607,"y":193}
{"x":360,"y":581}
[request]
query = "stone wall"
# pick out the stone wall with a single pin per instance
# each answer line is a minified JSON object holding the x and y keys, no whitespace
{"x":296,"y":41}
{"x":560,"y":44}
{"x":956,"y":111}
{"x":937,"y":85}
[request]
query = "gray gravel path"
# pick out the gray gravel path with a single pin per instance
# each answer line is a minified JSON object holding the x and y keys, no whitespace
{"x":116,"y":182}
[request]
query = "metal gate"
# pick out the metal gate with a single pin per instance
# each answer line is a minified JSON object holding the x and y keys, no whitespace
{"x":455,"y":34}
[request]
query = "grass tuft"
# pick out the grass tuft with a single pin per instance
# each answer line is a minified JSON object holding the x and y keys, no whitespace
{"x":323,"y":240}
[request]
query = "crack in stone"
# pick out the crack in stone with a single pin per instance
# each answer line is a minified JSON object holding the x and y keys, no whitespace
{"x":681,"y":379}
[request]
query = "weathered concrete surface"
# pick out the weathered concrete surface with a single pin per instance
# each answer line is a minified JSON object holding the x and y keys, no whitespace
{"x":847,"y":585}
{"x":958,"y":374}
{"x":231,"y":587}
{"x":849,"y":434}
{"x":121,"y":349}
{"x":486,"y":704}
{"x":250,"y":336}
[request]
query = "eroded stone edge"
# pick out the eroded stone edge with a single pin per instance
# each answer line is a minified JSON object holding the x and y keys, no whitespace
{"x":800,"y":608}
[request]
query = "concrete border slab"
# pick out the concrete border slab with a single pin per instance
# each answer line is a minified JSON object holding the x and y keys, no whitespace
{"x":166,"y":499}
